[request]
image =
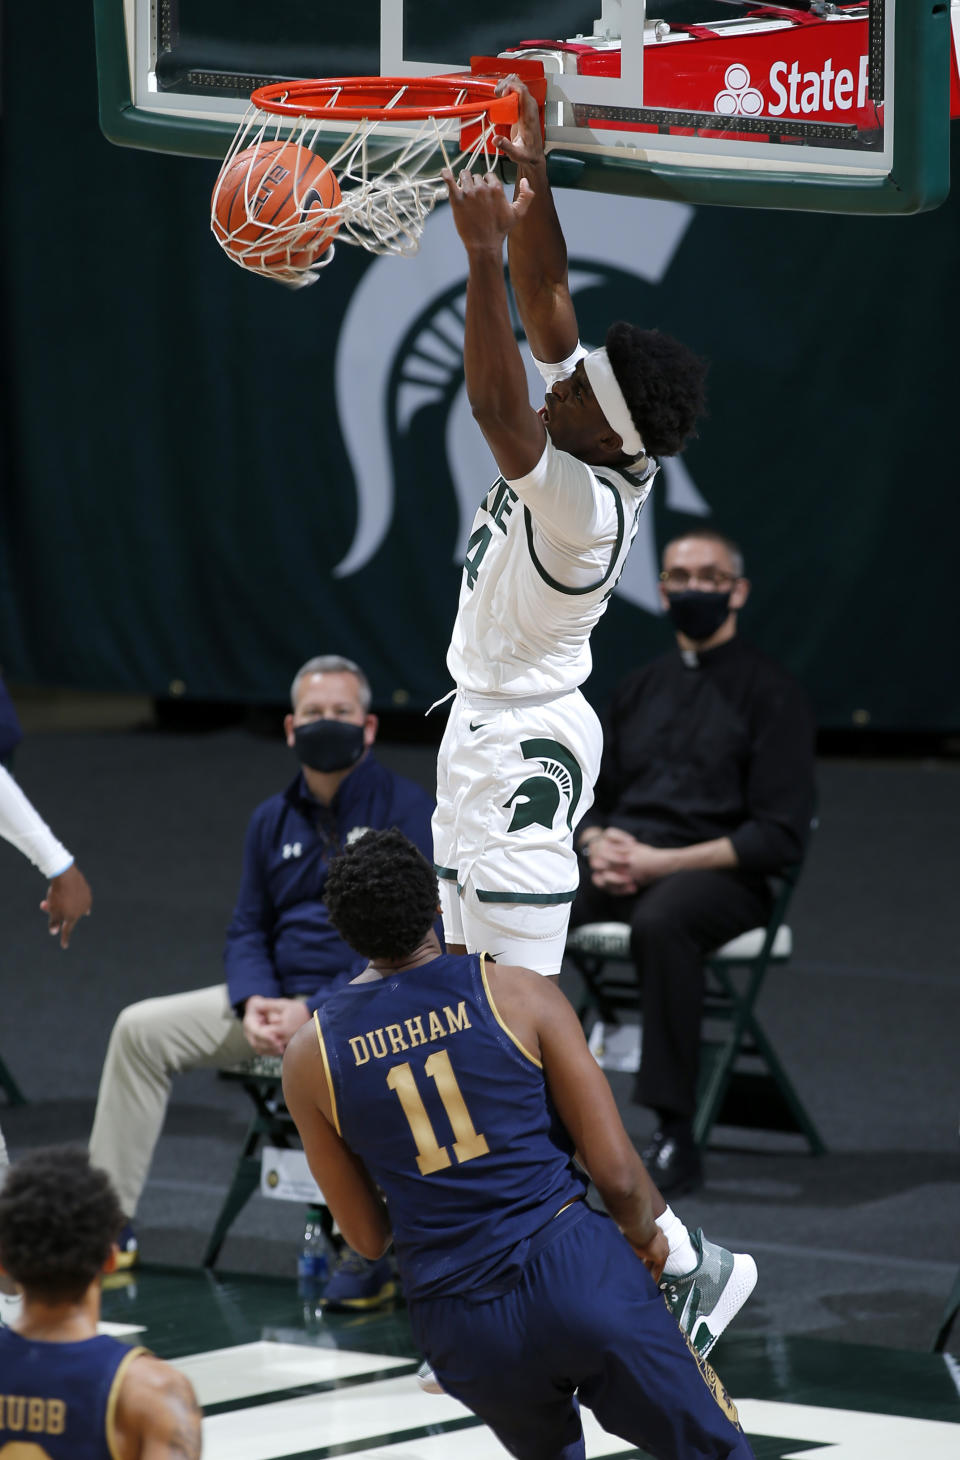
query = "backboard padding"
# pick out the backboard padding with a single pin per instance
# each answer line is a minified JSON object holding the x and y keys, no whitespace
{"x":169,"y":80}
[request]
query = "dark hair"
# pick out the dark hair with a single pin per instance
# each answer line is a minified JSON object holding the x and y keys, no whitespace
{"x":381,"y":894}
{"x":662,"y":383}
{"x":59,"y":1217}
{"x":710,"y":534}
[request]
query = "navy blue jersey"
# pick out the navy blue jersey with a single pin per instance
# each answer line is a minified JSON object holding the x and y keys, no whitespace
{"x":453,"y":1120}
{"x":57,"y":1399}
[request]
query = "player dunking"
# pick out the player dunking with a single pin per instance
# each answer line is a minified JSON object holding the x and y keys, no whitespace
{"x":67,"y":1393}
{"x":440,"y":1099}
{"x":521,"y":750}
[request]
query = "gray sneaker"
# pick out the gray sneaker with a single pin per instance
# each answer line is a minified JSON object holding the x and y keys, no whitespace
{"x":705,"y":1300}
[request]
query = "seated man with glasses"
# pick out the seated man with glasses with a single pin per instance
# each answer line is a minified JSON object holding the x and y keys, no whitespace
{"x":706,"y":789}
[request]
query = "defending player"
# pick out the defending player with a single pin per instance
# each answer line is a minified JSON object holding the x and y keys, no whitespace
{"x":67,"y":1393}
{"x":461,"y":1089}
{"x":521,"y":749}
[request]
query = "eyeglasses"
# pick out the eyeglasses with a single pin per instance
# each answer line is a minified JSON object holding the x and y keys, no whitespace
{"x":712,"y":579}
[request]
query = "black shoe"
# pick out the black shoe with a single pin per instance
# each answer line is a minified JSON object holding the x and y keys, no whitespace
{"x":651,"y":1151}
{"x":359,"y":1284}
{"x":674,"y":1164}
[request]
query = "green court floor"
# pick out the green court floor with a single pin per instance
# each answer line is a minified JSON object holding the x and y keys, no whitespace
{"x":279,"y":1379}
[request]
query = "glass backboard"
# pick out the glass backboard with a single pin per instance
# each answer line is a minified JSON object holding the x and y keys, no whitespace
{"x":817,"y":105}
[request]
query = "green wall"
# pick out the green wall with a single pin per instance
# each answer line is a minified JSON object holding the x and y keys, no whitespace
{"x":178,"y":493}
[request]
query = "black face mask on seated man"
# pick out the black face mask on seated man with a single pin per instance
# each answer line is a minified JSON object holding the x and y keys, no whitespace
{"x":328,"y":745}
{"x":698,"y":614}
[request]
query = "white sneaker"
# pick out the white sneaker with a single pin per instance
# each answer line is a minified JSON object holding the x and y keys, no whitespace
{"x":428,"y":1380}
{"x":705,"y":1300}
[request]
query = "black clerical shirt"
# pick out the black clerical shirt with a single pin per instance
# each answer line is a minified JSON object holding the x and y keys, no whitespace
{"x":716,"y":744}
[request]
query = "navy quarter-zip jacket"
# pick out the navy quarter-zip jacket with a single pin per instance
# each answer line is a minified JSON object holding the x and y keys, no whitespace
{"x":280,"y":942}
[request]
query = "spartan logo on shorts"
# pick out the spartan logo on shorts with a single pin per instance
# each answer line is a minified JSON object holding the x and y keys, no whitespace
{"x":537,"y":799}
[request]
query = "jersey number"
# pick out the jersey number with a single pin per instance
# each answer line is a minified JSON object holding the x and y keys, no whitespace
{"x":431,"y":1156}
{"x":476,"y":547}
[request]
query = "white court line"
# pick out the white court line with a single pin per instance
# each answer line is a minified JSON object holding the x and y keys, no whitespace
{"x":851,"y":1434}
{"x":291,"y":1426}
{"x":224,"y":1374}
{"x":273,"y":1431}
{"x":479,"y":1444}
{"x":121,"y":1330}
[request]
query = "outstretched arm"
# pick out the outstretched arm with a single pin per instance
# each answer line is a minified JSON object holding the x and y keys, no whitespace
{"x":68,"y":897}
{"x":536,"y":249}
{"x":495,"y":376}
{"x":586,"y":1106}
{"x":347,"y":1187}
{"x":543,"y":1019}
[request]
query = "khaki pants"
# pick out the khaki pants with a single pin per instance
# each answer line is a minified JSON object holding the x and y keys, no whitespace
{"x":151,"y":1042}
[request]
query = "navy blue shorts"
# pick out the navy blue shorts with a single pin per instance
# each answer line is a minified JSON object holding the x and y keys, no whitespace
{"x":583,"y":1320}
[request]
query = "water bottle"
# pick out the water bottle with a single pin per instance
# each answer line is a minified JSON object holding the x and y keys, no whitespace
{"x":314,"y":1261}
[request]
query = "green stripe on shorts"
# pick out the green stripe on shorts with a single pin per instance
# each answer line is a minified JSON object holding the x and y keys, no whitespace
{"x":542,"y":899}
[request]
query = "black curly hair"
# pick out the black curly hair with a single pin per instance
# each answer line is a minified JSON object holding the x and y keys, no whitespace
{"x":662,"y":383}
{"x":381,"y":894}
{"x":59,"y":1217}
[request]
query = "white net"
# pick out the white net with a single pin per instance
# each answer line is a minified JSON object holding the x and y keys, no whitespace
{"x":387,"y":173}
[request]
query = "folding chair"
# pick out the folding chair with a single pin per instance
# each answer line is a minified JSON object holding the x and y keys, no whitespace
{"x":272,"y":1124}
{"x":15,"y":1095}
{"x":949,"y":1318}
{"x":742,"y":1081}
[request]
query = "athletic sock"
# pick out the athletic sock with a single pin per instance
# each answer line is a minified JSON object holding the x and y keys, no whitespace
{"x":11,"y":1306}
{"x":683,"y":1257}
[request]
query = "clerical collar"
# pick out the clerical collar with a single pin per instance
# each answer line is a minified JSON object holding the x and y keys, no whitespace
{"x":697,"y":658}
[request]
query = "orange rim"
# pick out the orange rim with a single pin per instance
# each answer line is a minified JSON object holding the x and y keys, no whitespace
{"x":359,"y":98}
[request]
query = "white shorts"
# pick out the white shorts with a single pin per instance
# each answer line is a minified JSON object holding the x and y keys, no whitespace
{"x":513,"y":781}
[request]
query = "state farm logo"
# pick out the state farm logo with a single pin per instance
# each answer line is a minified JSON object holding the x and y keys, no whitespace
{"x":740,"y":99}
{"x":795,"y":92}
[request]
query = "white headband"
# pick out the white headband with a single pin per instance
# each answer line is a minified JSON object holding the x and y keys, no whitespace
{"x":610,"y":399}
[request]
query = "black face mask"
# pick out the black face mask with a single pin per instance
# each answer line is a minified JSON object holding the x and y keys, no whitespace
{"x":328,"y":745}
{"x":697,"y":614}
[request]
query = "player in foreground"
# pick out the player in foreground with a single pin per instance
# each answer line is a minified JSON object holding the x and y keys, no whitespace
{"x":460,"y":1089}
{"x":521,"y":750}
{"x":67,"y":1393}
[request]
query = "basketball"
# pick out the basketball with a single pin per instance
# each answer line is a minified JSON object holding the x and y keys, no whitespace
{"x":271,"y":206}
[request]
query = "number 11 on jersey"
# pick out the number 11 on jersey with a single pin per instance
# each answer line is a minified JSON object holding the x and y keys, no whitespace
{"x":431,"y":1156}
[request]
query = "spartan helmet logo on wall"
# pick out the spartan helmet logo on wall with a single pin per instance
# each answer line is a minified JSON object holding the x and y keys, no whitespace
{"x":402,"y":337}
{"x":536,"y":799}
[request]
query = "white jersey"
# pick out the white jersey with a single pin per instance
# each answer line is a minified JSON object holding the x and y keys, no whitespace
{"x":544,"y":555}
{"x":26,"y":829}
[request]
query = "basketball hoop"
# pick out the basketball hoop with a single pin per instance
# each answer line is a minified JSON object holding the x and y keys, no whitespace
{"x":392,"y":137}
